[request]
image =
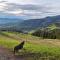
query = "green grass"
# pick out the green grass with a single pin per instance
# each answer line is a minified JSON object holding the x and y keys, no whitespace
{"x":31,"y":47}
{"x":23,"y":36}
{"x":9,"y":43}
{"x":41,"y":50}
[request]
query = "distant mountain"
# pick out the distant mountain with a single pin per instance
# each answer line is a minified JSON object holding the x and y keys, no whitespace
{"x":34,"y":24}
{"x":9,"y":20}
{"x":31,"y":24}
{"x":9,"y":23}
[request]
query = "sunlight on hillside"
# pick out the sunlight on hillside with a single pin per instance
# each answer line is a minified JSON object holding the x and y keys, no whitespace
{"x":52,"y":27}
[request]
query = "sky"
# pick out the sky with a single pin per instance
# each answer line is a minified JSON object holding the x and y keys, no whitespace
{"x":29,"y":8}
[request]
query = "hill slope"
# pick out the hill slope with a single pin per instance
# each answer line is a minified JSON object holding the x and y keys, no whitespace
{"x":52,"y":31}
{"x":31,"y":24}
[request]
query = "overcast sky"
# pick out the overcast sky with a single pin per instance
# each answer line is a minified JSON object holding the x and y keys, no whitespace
{"x":34,"y":1}
{"x":30,"y":8}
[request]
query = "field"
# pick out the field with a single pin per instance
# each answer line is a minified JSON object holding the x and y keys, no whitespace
{"x":35,"y":48}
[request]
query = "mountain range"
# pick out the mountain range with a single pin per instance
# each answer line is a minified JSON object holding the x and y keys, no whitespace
{"x":28,"y":25}
{"x":33,"y":24}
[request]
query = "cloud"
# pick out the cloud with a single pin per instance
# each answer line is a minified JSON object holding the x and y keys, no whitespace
{"x":16,"y":12}
{"x":22,"y":1}
{"x":45,"y":8}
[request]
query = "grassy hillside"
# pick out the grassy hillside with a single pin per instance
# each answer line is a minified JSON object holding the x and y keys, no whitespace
{"x":50,"y":32}
{"x":35,"y":48}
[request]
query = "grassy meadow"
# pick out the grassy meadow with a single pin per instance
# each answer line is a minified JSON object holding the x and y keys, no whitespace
{"x":35,"y":48}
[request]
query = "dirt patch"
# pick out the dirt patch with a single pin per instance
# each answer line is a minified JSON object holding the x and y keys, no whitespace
{"x":6,"y":54}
